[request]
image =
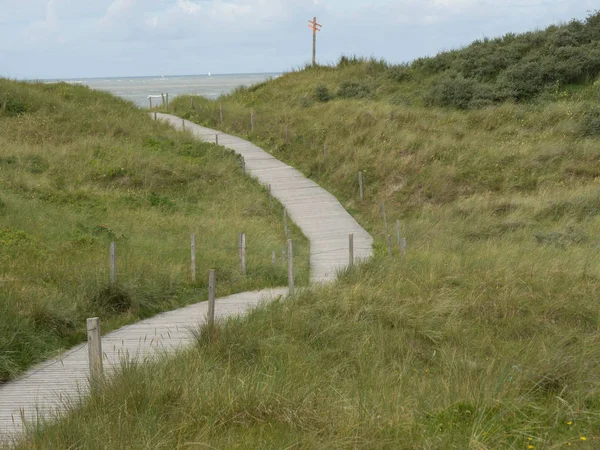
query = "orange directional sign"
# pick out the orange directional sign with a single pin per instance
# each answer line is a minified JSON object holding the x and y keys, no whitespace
{"x":313,"y":25}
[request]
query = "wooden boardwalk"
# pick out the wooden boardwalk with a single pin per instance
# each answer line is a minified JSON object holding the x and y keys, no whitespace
{"x":55,"y":384}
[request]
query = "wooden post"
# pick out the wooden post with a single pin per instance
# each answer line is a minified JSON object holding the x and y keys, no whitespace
{"x":191,"y":102}
{"x":113,"y":263}
{"x":273,"y":258}
{"x":154,"y":115}
{"x":94,"y":349}
{"x":212,"y":281}
{"x":193,"y":262}
{"x":398,"y":231}
{"x":360,"y":185}
{"x":315,"y":27}
{"x":216,"y":139}
{"x":403,"y":246}
{"x":270,"y":198}
{"x":242,"y":244}
{"x":167,"y":95}
{"x":351,"y":249}
{"x":243,"y":166}
{"x":221,"y":113}
{"x":150,"y":100}
{"x":285,"y":227}
{"x":183,"y":124}
{"x":291,"y":266}
{"x":252,"y":122}
{"x":283,"y":254}
{"x":163,"y":98}
{"x":384,"y":218}
{"x":389,"y":240}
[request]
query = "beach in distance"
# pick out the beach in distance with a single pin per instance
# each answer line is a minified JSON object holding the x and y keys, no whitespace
{"x":137,"y":89}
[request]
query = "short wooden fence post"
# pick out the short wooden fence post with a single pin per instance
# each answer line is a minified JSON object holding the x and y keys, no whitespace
{"x":94,"y":342}
{"x":360,"y":185}
{"x":285,"y":225}
{"x":384,"y":217}
{"x":242,"y":246}
{"x":113,"y":263}
{"x":291,"y":266}
{"x":351,"y":249}
{"x":193,"y":261}
{"x":216,"y":139}
{"x":212,"y":281}
{"x":183,"y":124}
{"x":154,"y":115}
{"x":150,"y":100}
{"x":167,"y":96}
{"x":221,"y":113}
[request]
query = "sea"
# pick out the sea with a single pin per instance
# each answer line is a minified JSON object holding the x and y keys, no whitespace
{"x":137,"y":89}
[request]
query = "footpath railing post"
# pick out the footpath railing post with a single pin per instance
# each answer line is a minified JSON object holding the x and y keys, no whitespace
{"x":94,"y":341}
{"x":193,"y":262}
{"x":113,"y":263}
{"x":351,"y":249}
{"x":212,"y":281}
{"x":242,"y":244}
{"x":291,"y":266}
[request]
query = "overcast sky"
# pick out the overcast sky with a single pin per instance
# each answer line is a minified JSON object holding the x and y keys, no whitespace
{"x":42,"y":39}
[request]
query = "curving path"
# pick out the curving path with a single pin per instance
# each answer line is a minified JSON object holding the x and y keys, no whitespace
{"x":55,"y":384}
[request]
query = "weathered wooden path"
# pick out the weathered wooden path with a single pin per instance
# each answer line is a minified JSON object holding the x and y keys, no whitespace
{"x":56,"y":384}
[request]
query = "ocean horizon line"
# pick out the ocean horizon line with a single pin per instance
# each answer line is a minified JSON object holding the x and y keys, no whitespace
{"x":155,"y":76}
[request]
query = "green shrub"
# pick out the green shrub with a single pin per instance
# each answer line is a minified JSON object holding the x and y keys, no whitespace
{"x":354,"y":89}
{"x":322,"y":93}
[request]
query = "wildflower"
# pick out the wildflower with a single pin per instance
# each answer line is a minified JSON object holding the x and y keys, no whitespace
{"x":570,"y":422}
{"x":530,"y":446}
{"x":583,"y":438}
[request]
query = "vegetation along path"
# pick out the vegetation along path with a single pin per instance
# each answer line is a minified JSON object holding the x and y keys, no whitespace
{"x":55,"y":384}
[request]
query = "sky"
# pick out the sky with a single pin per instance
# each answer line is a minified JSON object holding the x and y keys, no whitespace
{"x":70,"y":39}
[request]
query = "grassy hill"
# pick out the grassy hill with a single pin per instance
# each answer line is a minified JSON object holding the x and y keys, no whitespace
{"x":80,"y":169}
{"x":486,"y":335}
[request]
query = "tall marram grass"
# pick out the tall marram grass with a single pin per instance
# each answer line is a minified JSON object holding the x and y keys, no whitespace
{"x":80,"y":169}
{"x":485,"y":336}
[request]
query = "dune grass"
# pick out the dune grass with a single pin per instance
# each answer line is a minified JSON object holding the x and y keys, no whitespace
{"x":80,"y":169}
{"x":484,"y":336}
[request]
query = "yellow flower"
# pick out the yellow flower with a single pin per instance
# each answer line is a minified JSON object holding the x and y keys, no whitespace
{"x":583,"y":438}
{"x":569,"y":422}
{"x":530,"y":439}
{"x":530,"y":446}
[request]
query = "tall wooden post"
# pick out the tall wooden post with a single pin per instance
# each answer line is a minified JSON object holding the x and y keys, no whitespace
{"x":167,"y":96}
{"x":150,"y":100}
{"x":313,"y":25}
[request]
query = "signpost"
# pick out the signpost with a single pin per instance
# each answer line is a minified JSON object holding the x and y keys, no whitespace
{"x":313,"y":25}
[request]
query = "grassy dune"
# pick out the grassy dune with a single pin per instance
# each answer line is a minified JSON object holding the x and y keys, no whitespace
{"x":80,"y":169}
{"x":486,"y":335}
